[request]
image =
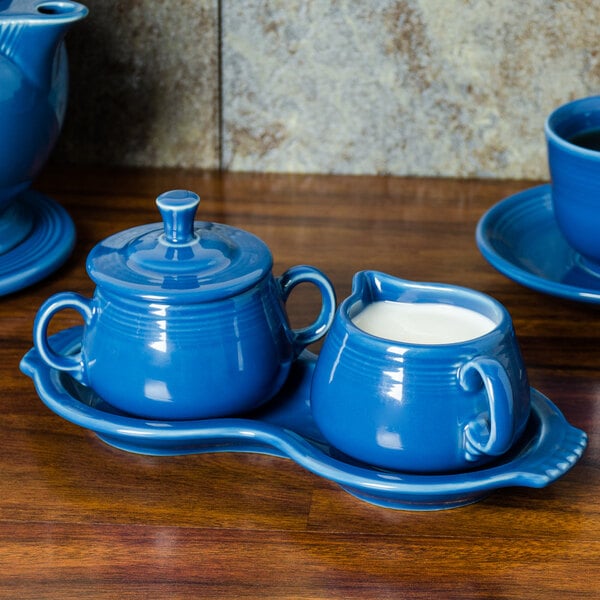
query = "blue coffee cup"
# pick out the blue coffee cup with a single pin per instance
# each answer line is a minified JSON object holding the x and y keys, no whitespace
{"x":573,"y":143}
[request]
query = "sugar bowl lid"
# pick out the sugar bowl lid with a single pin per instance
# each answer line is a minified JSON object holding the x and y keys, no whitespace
{"x":179,"y":260}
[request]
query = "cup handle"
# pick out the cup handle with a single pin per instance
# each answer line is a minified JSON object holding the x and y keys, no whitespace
{"x":491,"y":436}
{"x":72,"y":364}
{"x":302,"y":274}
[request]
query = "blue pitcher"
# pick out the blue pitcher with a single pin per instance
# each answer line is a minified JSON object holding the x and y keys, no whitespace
{"x":33,"y":96}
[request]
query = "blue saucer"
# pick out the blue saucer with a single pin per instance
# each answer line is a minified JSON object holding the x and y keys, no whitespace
{"x":284,"y":427}
{"x":45,"y":247}
{"x":519,"y":237}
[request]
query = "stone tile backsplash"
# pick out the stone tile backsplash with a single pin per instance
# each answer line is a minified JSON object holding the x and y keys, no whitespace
{"x":455,"y":88}
{"x":144,"y":84}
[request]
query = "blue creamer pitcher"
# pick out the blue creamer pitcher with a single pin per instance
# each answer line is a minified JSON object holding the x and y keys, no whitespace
{"x":440,"y":387}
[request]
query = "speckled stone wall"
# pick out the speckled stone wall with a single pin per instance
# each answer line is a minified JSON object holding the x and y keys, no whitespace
{"x":454,"y":88}
{"x":144,"y":84}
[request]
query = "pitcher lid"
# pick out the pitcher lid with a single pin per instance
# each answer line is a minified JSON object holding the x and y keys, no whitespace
{"x":179,"y":260}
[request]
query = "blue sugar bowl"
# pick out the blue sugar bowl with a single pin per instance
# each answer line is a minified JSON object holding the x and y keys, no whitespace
{"x":451,"y":399}
{"x":187,"y":320}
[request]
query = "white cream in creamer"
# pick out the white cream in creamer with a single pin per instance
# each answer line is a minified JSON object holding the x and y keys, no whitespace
{"x":422,"y":323}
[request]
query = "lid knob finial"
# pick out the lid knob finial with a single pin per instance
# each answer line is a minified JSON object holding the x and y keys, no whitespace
{"x":178,"y":209}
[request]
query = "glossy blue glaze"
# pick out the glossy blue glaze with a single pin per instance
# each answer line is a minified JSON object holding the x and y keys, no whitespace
{"x":548,"y":448}
{"x":180,"y":260}
{"x":45,"y":248}
{"x":416,"y":407}
{"x":33,"y":86}
{"x":574,"y":171}
{"x":519,"y":236}
{"x":187,"y":320}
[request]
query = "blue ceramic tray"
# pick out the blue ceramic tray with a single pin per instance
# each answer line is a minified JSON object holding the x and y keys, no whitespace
{"x":45,"y":249}
{"x":547,"y":450}
{"x":519,"y":237}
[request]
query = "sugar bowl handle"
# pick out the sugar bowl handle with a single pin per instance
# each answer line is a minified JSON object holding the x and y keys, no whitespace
{"x":491,"y":436}
{"x":301,"y":274}
{"x":72,"y":364}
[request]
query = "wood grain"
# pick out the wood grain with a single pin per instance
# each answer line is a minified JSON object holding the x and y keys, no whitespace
{"x":79,"y":519}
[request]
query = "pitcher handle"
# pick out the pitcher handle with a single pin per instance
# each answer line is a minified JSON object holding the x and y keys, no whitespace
{"x":494,"y":436}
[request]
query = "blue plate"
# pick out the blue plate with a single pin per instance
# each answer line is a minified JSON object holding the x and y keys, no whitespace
{"x":549,"y":447}
{"x":45,"y":248}
{"x":519,"y":237}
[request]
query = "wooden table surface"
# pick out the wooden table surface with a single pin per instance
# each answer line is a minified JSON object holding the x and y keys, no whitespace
{"x":79,"y":519}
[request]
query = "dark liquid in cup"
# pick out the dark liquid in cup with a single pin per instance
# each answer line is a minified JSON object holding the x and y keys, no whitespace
{"x":587,"y":139}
